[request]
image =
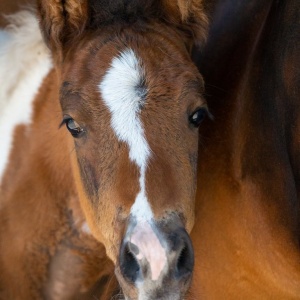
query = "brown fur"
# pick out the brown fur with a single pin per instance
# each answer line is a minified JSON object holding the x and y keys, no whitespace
{"x":246,"y":234}
{"x":60,"y":182}
{"x":33,"y":250}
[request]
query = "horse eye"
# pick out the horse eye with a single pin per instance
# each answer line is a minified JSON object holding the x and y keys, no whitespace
{"x":198,"y":116}
{"x":73,"y":127}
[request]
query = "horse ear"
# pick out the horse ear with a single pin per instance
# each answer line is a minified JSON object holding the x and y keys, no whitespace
{"x":190,"y":17}
{"x":62,"y":20}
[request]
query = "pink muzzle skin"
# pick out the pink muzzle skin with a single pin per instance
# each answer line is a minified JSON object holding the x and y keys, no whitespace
{"x":149,"y":248}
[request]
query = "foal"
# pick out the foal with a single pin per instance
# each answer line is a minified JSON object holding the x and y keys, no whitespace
{"x":121,"y":170}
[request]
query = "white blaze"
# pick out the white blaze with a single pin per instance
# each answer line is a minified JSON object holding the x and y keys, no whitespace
{"x":24,"y":62}
{"x":120,"y":93}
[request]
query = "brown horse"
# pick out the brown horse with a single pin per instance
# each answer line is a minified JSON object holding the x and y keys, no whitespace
{"x":99,"y":147}
{"x":246,"y":235}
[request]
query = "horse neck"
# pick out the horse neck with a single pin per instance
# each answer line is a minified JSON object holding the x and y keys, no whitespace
{"x":233,"y":34}
{"x":251,"y":113}
{"x":253,"y":187}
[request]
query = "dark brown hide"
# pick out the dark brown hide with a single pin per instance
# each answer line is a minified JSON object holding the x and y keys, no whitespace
{"x":246,"y":234}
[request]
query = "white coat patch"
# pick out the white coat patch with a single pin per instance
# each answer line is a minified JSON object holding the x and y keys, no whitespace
{"x":24,"y":63}
{"x":120,"y":90}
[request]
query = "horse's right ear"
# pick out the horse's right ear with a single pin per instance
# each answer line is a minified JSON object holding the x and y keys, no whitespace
{"x":61,"y":21}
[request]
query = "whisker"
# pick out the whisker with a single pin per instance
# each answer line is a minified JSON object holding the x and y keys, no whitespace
{"x":215,"y":86}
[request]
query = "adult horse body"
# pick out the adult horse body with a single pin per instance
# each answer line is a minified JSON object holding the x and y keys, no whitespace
{"x":125,"y":173}
{"x":246,"y":235}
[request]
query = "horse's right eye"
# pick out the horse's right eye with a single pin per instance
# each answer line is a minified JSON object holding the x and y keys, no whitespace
{"x":73,"y":127}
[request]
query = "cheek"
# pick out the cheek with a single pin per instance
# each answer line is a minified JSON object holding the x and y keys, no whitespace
{"x":193,"y":158}
{"x":85,"y":203}
{"x":106,"y":195}
{"x":90,"y":178}
{"x":101,"y":215}
{"x":115,"y":202}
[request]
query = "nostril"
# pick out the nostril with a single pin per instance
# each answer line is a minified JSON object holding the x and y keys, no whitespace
{"x":182,"y":259}
{"x":185,"y":261}
{"x":128,"y":263}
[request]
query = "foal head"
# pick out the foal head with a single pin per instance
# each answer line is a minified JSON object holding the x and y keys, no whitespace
{"x":131,"y":98}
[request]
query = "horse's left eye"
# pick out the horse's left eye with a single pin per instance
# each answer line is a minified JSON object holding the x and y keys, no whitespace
{"x":73,"y":127}
{"x":198,"y":116}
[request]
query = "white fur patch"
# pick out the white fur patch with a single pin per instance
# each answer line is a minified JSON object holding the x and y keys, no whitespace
{"x":24,"y":63}
{"x":120,"y":92}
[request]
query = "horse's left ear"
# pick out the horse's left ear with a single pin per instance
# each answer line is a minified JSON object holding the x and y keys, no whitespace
{"x":190,"y":17}
{"x":62,"y":20}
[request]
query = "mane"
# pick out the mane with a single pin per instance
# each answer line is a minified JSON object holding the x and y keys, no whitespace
{"x":24,"y":62}
{"x":124,"y":11}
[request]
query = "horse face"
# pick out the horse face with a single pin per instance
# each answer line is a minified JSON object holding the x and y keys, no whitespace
{"x":133,"y":113}
{"x":131,"y":98}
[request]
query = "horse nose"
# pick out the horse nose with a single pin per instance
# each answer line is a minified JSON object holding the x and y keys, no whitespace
{"x":151,"y":253}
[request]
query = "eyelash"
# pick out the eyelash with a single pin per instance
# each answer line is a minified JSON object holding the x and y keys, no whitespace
{"x":76,"y":131}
